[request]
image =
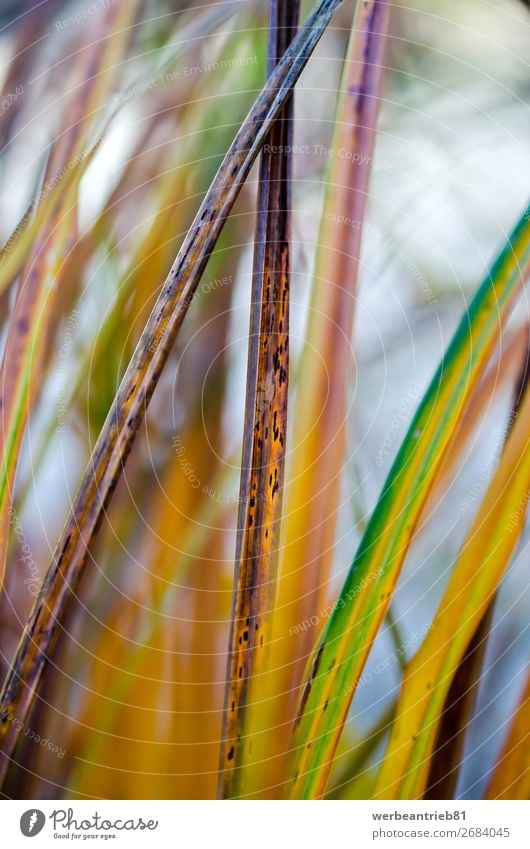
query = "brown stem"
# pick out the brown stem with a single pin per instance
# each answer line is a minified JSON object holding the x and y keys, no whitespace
{"x":265,"y":429}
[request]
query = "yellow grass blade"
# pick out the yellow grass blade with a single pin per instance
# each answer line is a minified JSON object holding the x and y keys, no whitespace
{"x":480,"y":566}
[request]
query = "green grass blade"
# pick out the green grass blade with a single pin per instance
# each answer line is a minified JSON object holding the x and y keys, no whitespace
{"x":339,"y":657}
{"x":484,"y":557}
{"x":457,"y":712}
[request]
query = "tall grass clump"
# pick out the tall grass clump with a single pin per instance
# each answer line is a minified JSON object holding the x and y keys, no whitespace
{"x":265,"y":433}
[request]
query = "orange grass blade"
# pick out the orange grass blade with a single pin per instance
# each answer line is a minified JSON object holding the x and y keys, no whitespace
{"x":319,"y":440}
{"x":178,"y":622}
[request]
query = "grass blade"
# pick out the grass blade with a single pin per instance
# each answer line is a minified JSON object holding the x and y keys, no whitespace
{"x":265,"y":431}
{"x":135,"y":392}
{"x":459,"y":706}
{"x":318,"y":452}
{"x":502,"y":370}
{"x":339,"y":657}
{"x":355,"y":768}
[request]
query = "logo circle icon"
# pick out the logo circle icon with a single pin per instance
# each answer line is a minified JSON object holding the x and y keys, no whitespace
{"x":32,"y":822}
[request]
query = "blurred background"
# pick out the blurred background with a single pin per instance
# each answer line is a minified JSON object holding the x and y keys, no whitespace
{"x":134,"y":702}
